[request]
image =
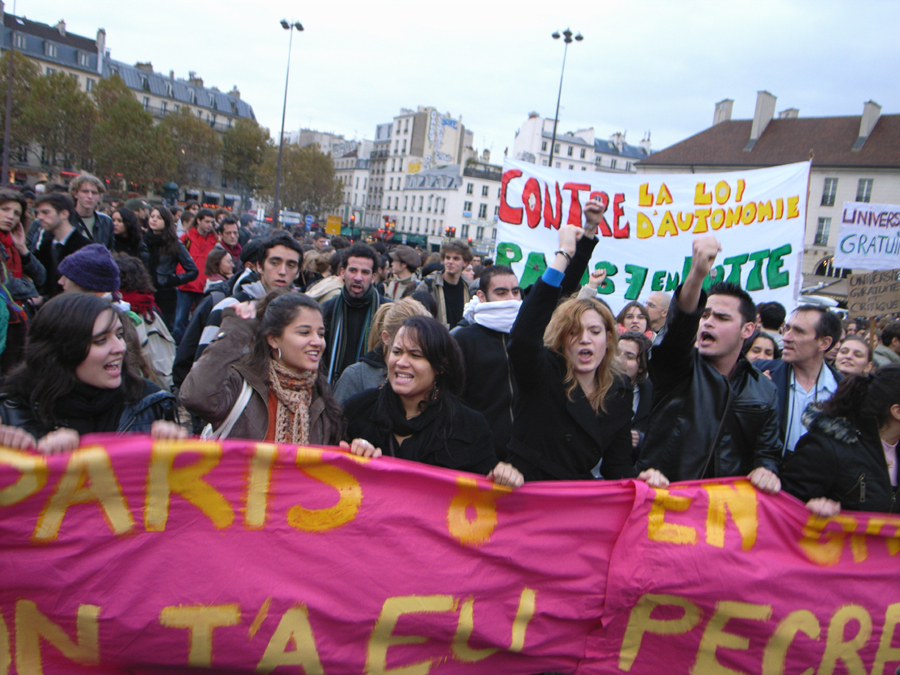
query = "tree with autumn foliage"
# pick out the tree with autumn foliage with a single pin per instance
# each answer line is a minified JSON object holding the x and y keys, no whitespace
{"x":308,"y":182}
{"x":197,"y":147}
{"x":245,"y":147}
{"x":61,"y":117}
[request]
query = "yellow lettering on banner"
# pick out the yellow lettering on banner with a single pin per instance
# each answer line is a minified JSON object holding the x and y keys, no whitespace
{"x":644,"y":226}
{"x":685,"y":220}
{"x":32,"y":625}
{"x":886,"y":653}
{"x":382,"y":635}
{"x":350,"y":495}
{"x":741,"y":502}
{"x":775,"y":653}
{"x":524,"y":614}
{"x":827,"y":552}
{"x":701,"y":215}
{"x":733,"y":216}
{"x":645,"y":198}
{"x":640,"y":622}
{"x":779,"y":208}
{"x":657,"y":527}
{"x":716,"y":636}
{"x":723,"y":192}
{"x":200,"y":620}
{"x":764,"y":212}
{"x":259,"y":480}
{"x":701,"y":196}
{"x":718,"y":219}
{"x":91,"y":463}
{"x":464,"y":627}
{"x":664,"y":197}
{"x":792,"y":207}
{"x":667,"y":226}
{"x":741,"y":184}
{"x":33,"y":470}
{"x":295,"y":628}
{"x":748,"y":215}
{"x":847,"y":652}
{"x":5,"y":652}
{"x":892,"y":542}
{"x":187,"y":481}
{"x":473,"y":532}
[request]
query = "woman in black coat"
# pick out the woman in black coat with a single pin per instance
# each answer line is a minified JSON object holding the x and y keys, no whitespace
{"x":164,"y":254}
{"x":573,"y":407}
{"x":416,"y":414}
{"x":848,"y":459}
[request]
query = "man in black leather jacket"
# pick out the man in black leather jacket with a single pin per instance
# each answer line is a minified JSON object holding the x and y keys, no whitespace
{"x":714,"y":415}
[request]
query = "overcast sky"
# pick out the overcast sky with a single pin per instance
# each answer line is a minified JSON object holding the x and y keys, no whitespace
{"x":644,"y":65}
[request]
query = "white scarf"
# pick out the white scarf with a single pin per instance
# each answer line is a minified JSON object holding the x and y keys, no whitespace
{"x":498,"y":316}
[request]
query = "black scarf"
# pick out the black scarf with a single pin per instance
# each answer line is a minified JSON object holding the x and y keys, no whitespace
{"x":341,"y":337}
{"x":427,"y":431}
{"x":89,"y":409}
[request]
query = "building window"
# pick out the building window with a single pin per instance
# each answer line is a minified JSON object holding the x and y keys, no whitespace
{"x":822,"y":230}
{"x":829,"y":191}
{"x":163,"y":107}
{"x":496,"y":211}
{"x":628,"y":166}
{"x":405,"y":125}
{"x":168,"y":90}
{"x":864,"y":190}
{"x":479,"y":233}
{"x":484,"y":190}
{"x":89,"y":85}
{"x":470,"y":188}
{"x":192,"y":96}
{"x":404,"y":146}
{"x":556,"y":149}
{"x":145,"y":101}
{"x":50,"y":71}
{"x":212,"y":121}
{"x":145,"y":84}
{"x":494,"y":235}
{"x":582,"y":153}
{"x":482,"y":211}
{"x":543,"y":146}
{"x":557,"y":165}
{"x":571,"y":166}
{"x":467,"y":207}
{"x":421,"y":201}
{"x":464,"y":231}
{"x":826,"y":268}
{"x":612,"y":164}
{"x":50,"y":49}
{"x":569,"y":151}
{"x":84,"y":59}
{"x":21,"y":41}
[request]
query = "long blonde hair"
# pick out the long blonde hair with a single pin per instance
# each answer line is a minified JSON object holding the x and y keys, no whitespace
{"x":564,"y":325}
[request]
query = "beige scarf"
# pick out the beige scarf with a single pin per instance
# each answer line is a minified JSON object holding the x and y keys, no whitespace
{"x":293,"y":391}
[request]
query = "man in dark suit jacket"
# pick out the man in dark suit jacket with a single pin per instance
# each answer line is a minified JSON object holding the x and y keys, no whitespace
{"x":801,"y":375}
{"x":60,"y":238}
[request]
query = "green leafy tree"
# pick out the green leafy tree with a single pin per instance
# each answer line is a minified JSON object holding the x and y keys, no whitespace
{"x":308,"y":183}
{"x":245,"y":147}
{"x":25,"y":71}
{"x":197,"y":147}
{"x":128,"y":150}
{"x":61,"y":118}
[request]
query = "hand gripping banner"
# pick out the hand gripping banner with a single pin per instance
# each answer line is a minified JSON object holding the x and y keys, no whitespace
{"x":134,"y":556}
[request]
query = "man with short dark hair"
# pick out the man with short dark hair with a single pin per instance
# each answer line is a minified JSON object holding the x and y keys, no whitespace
{"x":450,"y":291}
{"x":404,"y":263}
{"x":319,"y":240}
{"x":713,"y":415}
{"x":489,"y":387}
{"x":85,"y":190}
{"x":802,"y":375}
{"x":348,"y":317}
{"x":60,"y":238}
{"x":889,"y":350}
{"x":771,"y":319}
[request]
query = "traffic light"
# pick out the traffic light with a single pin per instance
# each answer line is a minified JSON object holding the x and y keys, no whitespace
{"x":470,"y":241}
{"x":451,"y":232}
{"x":352,"y":219}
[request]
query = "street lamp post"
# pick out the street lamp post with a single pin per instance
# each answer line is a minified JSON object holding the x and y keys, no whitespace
{"x":567,"y":38}
{"x":288,"y":27}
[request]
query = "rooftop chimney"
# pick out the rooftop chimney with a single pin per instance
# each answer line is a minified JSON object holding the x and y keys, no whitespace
{"x":235,"y":92}
{"x":789,"y":114}
{"x":195,"y":79}
{"x":645,"y":143}
{"x":723,"y":111}
{"x":145,"y":67}
{"x":101,"y":49}
{"x":871,"y":113}
{"x":61,"y":27}
{"x":765,"y":111}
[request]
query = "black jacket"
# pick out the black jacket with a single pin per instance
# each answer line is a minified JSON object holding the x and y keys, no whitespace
{"x":780,"y":374}
{"x":467,"y":446}
{"x":490,"y":386}
{"x":103,"y":229}
{"x":49,"y":254}
{"x":704,"y":425}
{"x":838,"y":460}
{"x":556,"y":437}
{"x":164,"y":266}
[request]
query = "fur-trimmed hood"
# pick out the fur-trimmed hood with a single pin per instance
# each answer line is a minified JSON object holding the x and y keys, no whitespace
{"x":839,"y":428}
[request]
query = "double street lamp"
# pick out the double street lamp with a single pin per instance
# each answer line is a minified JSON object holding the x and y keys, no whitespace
{"x":296,"y":25}
{"x":567,"y":38}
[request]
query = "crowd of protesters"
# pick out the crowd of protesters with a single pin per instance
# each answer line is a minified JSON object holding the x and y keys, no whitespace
{"x":114,"y":314}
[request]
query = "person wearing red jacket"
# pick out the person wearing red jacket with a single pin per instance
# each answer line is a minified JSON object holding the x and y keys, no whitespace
{"x":199,"y":240}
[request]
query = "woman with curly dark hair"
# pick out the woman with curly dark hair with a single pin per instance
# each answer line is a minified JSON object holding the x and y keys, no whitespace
{"x":416,"y":414}
{"x":164,"y":254}
{"x":78,"y":378}
{"x":127,"y":234}
{"x":289,"y":397}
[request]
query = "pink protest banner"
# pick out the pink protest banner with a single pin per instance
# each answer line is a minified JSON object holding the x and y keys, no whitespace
{"x":133,"y":557}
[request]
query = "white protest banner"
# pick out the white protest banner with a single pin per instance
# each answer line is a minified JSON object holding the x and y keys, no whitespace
{"x":651,"y":219}
{"x":869,"y":237}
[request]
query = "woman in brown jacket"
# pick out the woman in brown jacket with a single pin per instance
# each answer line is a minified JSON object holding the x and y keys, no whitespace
{"x":291,"y":401}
